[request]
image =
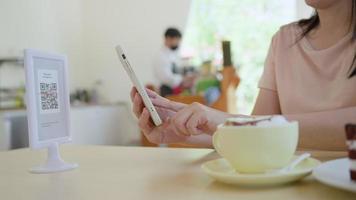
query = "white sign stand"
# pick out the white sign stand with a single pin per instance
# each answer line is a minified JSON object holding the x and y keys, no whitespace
{"x":48,"y":107}
{"x":54,"y":162}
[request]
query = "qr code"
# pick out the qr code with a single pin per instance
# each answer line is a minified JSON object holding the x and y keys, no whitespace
{"x":49,"y":96}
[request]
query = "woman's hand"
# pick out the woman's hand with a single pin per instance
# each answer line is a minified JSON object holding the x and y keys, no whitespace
{"x":164,"y":133}
{"x":179,"y":120}
{"x":196,"y":119}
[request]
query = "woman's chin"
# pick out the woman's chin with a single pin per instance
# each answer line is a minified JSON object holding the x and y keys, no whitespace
{"x":320,"y":4}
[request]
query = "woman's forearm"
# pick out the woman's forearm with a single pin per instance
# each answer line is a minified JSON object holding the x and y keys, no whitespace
{"x":318,"y":130}
{"x":324,"y":130}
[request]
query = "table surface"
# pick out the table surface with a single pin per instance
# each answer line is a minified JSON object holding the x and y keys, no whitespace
{"x":108,"y":172}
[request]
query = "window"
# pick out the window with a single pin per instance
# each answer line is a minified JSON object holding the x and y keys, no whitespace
{"x":248,"y":24}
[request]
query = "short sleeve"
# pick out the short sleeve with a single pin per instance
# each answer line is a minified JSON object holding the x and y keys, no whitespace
{"x":268,"y":78}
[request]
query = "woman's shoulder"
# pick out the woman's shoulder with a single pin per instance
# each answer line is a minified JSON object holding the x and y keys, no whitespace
{"x":288,"y":34}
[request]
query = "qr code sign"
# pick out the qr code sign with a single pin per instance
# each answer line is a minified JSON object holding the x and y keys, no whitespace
{"x":49,"y":96}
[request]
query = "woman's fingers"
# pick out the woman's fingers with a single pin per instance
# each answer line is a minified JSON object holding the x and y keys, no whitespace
{"x":137,"y":105}
{"x":144,"y":122}
{"x":194,"y":122}
{"x":165,"y":103}
{"x":158,"y":100}
{"x":137,"y":102}
{"x":168,"y":135}
{"x":152,"y":133}
{"x":163,"y":134}
{"x":132,"y":93}
{"x":164,"y":113}
{"x":180,"y":119}
{"x":176,"y":106}
{"x":151,"y":94}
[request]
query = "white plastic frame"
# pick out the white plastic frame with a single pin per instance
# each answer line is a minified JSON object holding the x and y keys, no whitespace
{"x":54,"y":162}
{"x":32,"y":105}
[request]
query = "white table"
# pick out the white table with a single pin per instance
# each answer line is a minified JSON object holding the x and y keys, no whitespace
{"x":139,"y":173}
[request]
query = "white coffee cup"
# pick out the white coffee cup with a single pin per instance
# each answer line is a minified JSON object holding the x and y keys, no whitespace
{"x":257,"y":149}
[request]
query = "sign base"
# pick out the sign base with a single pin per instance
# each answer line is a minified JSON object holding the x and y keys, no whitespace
{"x":54,"y":162}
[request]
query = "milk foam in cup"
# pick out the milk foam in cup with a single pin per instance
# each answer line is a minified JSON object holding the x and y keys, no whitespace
{"x":257,"y":144}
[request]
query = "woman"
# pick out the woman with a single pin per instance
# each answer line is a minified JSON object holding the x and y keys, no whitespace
{"x":309,"y":76}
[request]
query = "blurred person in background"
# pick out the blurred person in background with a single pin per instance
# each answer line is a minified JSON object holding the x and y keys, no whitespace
{"x":167,"y":66}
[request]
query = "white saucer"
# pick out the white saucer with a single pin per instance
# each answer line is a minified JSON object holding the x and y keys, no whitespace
{"x":335,"y":173}
{"x":222,"y":171}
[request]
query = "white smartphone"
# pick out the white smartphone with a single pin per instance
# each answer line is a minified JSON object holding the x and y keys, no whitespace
{"x":138,"y":85}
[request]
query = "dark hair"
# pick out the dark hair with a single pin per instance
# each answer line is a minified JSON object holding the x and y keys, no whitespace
{"x":312,"y":22}
{"x":172,"y":33}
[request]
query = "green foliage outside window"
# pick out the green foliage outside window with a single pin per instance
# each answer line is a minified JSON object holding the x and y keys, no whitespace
{"x":248,"y":24}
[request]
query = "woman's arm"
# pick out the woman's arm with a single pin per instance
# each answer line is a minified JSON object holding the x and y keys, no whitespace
{"x":267,"y":103}
{"x":318,"y":130}
{"x":324,"y":130}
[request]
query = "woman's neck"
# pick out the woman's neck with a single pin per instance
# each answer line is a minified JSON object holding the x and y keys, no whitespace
{"x":336,"y":19}
{"x":335,"y":24}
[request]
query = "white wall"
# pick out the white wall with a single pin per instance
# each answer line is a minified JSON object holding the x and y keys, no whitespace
{"x":53,"y":25}
{"x":87,"y":31}
{"x":135,"y":24}
{"x":303,"y":10}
